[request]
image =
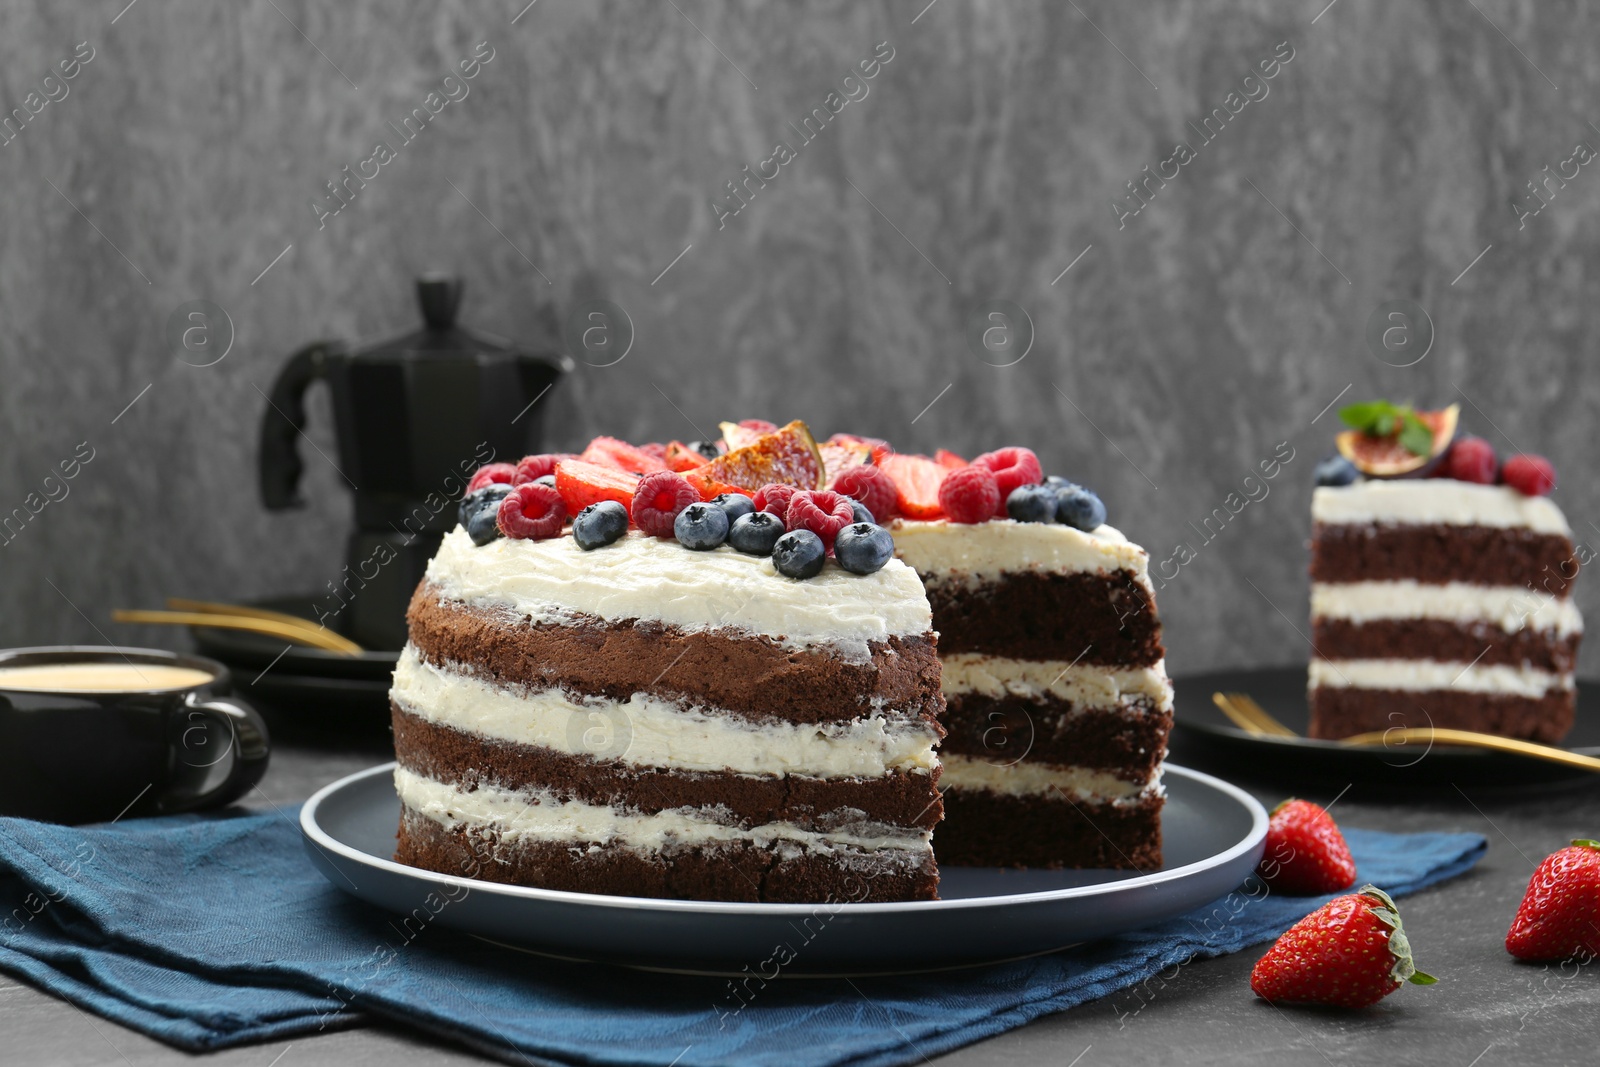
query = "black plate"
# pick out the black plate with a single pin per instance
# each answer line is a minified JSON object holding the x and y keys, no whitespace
{"x":1205,"y":738}
{"x":242,"y":650}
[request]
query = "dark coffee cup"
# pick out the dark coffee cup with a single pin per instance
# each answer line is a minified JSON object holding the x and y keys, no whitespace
{"x":91,"y":733}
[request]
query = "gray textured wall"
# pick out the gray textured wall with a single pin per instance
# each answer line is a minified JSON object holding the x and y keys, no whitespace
{"x":1175,"y":355}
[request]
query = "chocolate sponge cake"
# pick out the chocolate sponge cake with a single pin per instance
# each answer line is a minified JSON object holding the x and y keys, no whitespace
{"x":647,"y":720}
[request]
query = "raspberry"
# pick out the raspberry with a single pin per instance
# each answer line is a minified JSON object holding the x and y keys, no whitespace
{"x":1471,"y":459}
{"x":1013,"y":468}
{"x":531,"y":467}
{"x":658,"y":500}
{"x":774,"y":498}
{"x":971,"y":494}
{"x":870,"y":486}
{"x":532,"y":512}
{"x":821,"y":512}
{"x":1529,"y":475}
{"x":494,"y":473}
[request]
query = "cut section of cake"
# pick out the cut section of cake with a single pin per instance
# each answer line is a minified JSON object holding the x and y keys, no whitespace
{"x":1058,"y":705}
{"x":1438,"y":602}
{"x":614,"y":712}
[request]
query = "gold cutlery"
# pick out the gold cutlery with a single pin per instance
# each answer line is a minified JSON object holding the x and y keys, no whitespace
{"x":252,"y":620}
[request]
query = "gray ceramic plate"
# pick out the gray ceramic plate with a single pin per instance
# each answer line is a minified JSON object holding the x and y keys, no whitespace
{"x":1212,"y":832}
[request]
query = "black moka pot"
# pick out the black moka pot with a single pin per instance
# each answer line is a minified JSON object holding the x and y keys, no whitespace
{"x":415,"y":416}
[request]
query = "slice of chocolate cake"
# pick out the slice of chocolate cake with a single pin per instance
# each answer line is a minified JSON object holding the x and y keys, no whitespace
{"x":647,"y":720}
{"x":1441,"y":602}
{"x":1058,"y":704}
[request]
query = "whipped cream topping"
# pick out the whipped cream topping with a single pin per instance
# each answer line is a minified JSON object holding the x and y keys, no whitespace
{"x":1086,"y":686}
{"x":537,"y":816}
{"x":1419,"y":676}
{"x":1512,"y":608}
{"x":981,"y":550}
{"x":645,"y":731}
{"x":1436,"y":501}
{"x":648,"y":578}
{"x":1031,"y":779}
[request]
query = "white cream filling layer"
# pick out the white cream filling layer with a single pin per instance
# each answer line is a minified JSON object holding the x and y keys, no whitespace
{"x":1030,"y":779}
{"x":649,"y":578}
{"x":1444,"y":501}
{"x":645,"y":731}
{"x":1086,"y":686}
{"x":1417,"y":675}
{"x":1511,"y":608}
{"x":519,"y":816}
{"x":976,"y":551}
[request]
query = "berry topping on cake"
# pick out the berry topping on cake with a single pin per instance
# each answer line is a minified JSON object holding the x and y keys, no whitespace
{"x":872,"y":487}
{"x":532,"y":512}
{"x":581,"y":484}
{"x":492,"y":474}
{"x":788,"y":456}
{"x":863,"y":547}
{"x":734,"y":504}
{"x":860,"y":509}
{"x":774,"y":498}
{"x":1470,"y":459}
{"x":755,"y":534}
{"x":1081,"y":509}
{"x":655,"y":450}
{"x":599,"y":525}
{"x":1032,"y":503}
{"x":1529,"y":475}
{"x":799,"y":554}
{"x":823,"y":513}
{"x":1559,"y":917}
{"x":916,"y":483}
{"x":701,"y":527}
{"x":1013,"y":468}
{"x":1305,"y":854}
{"x":1336,"y":471}
{"x":681,"y":457}
{"x":659,"y":499}
{"x":532,"y":468}
{"x":1350,"y":953}
{"x":840,"y":455}
{"x":478,"y":510}
{"x":970,"y":494}
{"x":949,"y":460}
{"x":611,"y":452}
{"x":1395,"y":440}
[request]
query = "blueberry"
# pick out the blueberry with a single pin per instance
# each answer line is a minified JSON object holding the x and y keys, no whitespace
{"x":860,"y":510}
{"x":701,"y":527}
{"x":1032,"y":503}
{"x":478,"y":510}
{"x":707,"y":449}
{"x":799,"y":554}
{"x":1335,"y":470}
{"x":863,"y":547}
{"x":599,"y":525}
{"x":756,"y":533}
{"x":734,"y":504}
{"x":1080,"y":509}
{"x":546,"y":479}
{"x":1058,"y":483}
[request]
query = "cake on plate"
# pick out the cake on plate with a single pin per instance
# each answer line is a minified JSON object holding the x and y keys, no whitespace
{"x":614,"y":685}
{"x":1441,"y":584}
{"x":1058,"y":705}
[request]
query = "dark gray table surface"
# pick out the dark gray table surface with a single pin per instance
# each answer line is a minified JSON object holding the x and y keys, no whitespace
{"x":1486,"y":1010}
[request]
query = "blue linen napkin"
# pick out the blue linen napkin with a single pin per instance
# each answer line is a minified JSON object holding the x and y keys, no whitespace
{"x":211,"y":931}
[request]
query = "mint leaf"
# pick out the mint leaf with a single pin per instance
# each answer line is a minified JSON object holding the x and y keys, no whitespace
{"x":1415,"y":437}
{"x":1363,"y":416}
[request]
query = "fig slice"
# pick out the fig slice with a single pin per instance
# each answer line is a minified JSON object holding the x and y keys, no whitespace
{"x":1396,"y":454}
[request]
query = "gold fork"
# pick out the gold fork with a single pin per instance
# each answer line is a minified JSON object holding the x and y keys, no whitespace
{"x":1253,"y":719}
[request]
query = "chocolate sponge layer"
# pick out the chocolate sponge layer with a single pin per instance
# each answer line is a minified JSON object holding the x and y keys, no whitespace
{"x":1435,"y":554}
{"x":1101,"y":618}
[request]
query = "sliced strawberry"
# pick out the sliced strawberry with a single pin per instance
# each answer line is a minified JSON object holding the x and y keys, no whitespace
{"x":680,"y":457}
{"x":610,"y":452}
{"x":946,"y":458}
{"x":581,"y":484}
{"x":916,"y":482}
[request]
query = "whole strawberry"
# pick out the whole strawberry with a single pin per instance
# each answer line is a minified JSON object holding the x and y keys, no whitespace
{"x":1305,"y":853}
{"x":1560,"y":914}
{"x":1350,"y":953}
